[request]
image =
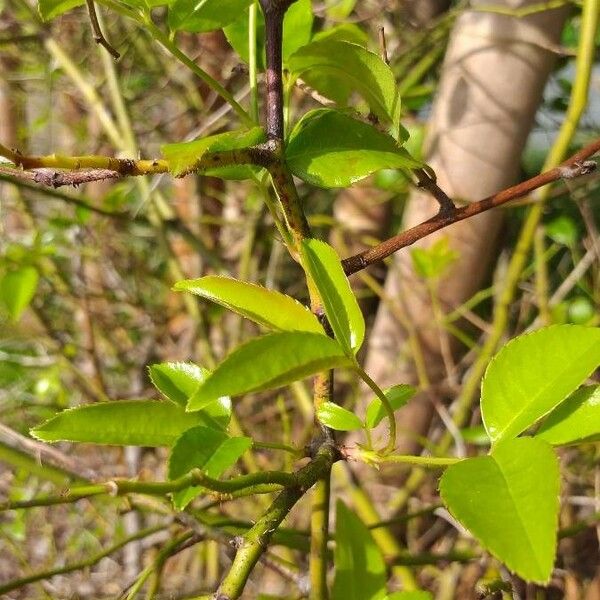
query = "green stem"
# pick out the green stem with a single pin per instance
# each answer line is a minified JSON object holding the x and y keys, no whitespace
{"x":319,"y":529}
{"x":252,"y":483}
{"x":167,"y":43}
{"x":256,"y":540}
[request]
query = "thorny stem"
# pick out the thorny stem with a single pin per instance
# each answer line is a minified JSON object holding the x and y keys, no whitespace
{"x":120,"y":487}
{"x":255,"y":541}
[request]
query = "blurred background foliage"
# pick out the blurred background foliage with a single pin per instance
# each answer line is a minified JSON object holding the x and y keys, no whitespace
{"x":86,"y":275}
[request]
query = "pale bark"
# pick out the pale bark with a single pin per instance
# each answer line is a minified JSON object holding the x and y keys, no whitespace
{"x":492,"y":81}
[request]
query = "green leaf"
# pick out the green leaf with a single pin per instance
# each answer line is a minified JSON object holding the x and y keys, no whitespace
{"x":338,"y":418}
{"x":269,"y":362}
{"x":339,"y":9}
{"x":297,"y":25}
{"x":336,"y":68}
{"x":345,"y":32}
{"x":476,"y":435}
{"x":50,"y":9}
{"x":360,"y":572}
{"x":509,"y":502}
{"x":199,"y":16}
{"x":577,"y":419}
{"x":178,"y":381}
{"x":533,"y":374}
{"x":17,"y":290}
{"x":119,"y":423}
{"x":416,"y":595}
{"x":323,"y":265}
{"x":182,"y":156}
{"x":207,"y":449}
{"x":397,"y":395}
{"x":433,"y":262}
{"x":330,"y":149}
{"x":263,"y":306}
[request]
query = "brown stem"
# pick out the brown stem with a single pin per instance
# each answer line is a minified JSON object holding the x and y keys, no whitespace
{"x":576,"y":166}
{"x":274,"y":12}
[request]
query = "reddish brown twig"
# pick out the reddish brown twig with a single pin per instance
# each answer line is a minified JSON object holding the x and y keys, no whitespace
{"x":576,"y":166}
{"x":56,"y":179}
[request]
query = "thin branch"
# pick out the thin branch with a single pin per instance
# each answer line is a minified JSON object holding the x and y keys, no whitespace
{"x":576,"y":166}
{"x":254,"y":483}
{"x":97,"y":30}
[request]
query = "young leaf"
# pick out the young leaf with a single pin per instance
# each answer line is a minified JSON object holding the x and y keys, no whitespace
{"x":577,"y":419}
{"x":360,"y":572}
{"x":119,"y":423}
{"x":509,"y":502}
{"x":178,"y":381}
{"x":397,"y":395}
{"x":336,"y":68}
{"x":198,"y":16}
{"x":338,"y":418}
{"x":50,"y":9}
{"x":323,"y":265}
{"x":17,"y":290}
{"x":330,"y":149}
{"x":203,"y":448}
{"x":533,"y":374}
{"x":183,"y":156}
{"x":269,"y":362}
{"x":297,"y":25}
{"x":263,"y":306}
{"x":432,"y":262}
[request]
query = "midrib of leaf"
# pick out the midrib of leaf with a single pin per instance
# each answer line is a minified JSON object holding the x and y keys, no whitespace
{"x":521,"y":520}
{"x":538,"y":395}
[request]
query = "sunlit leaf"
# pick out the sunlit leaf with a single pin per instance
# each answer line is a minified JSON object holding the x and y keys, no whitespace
{"x":336,"y":417}
{"x":433,"y":262}
{"x":323,"y":265}
{"x":416,"y":595}
{"x":509,"y":502}
{"x":269,"y":362}
{"x":360,"y":571}
{"x":397,"y":395}
{"x":178,"y":381}
{"x":577,"y":419}
{"x":336,"y":68}
{"x":184,"y":155}
{"x":297,"y":25}
{"x":331,"y":149}
{"x":204,"y":15}
{"x":533,"y":374}
{"x":263,"y":306}
{"x":119,"y":423}
{"x":207,"y":449}
{"x":50,"y":9}
{"x":17,"y":289}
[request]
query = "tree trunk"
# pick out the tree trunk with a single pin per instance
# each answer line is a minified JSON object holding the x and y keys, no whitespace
{"x":492,"y":81}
